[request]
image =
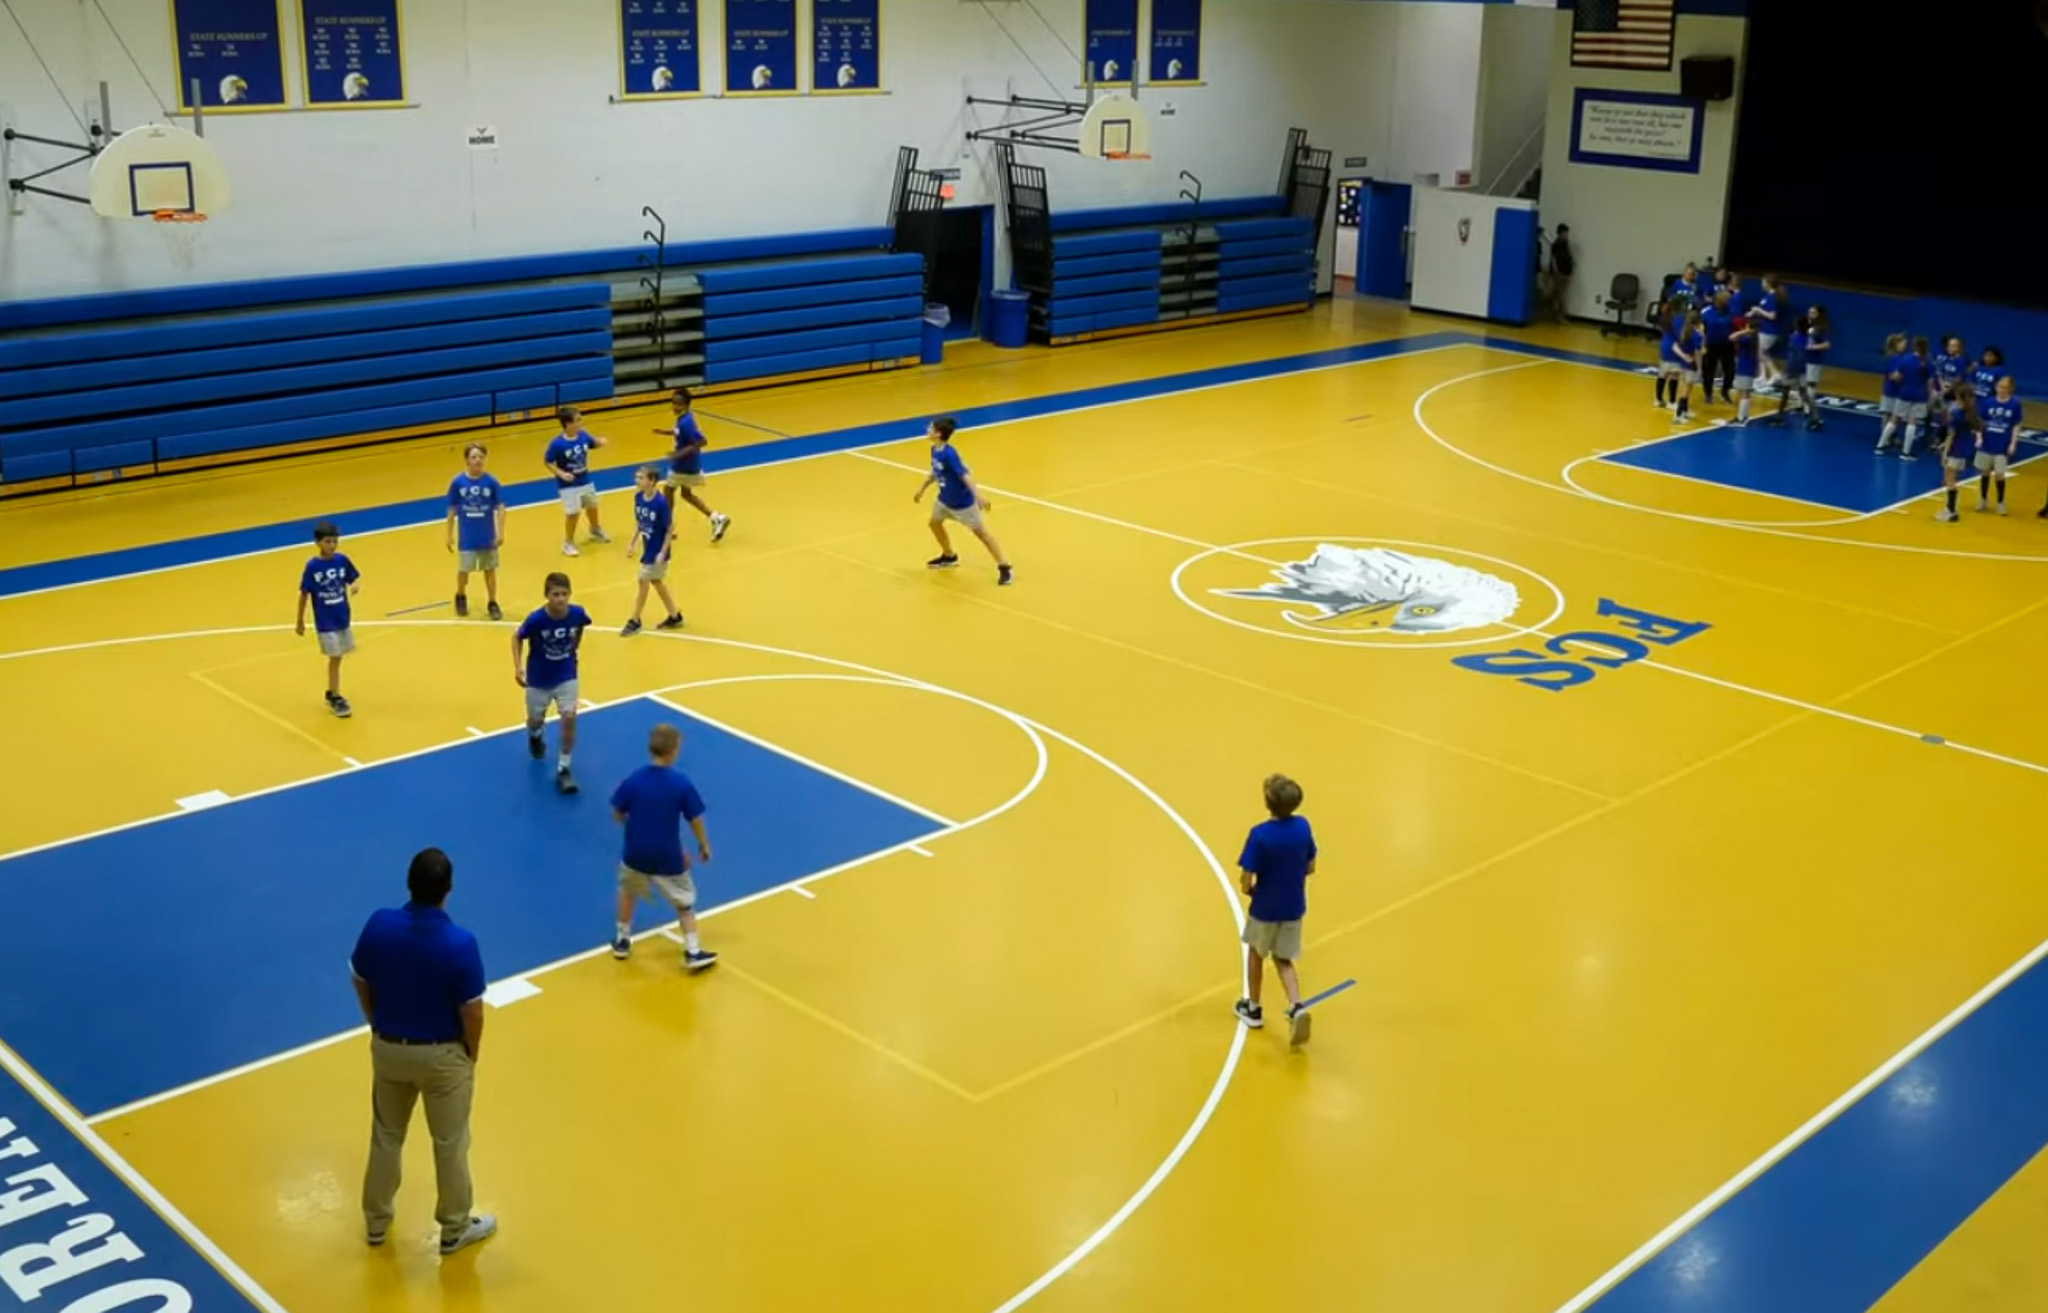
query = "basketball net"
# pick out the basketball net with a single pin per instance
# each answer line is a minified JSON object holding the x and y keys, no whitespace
{"x":181,"y":229}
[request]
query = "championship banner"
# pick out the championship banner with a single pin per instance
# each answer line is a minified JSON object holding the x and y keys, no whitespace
{"x":1112,"y":30}
{"x":846,"y":51}
{"x":232,"y":48}
{"x":659,"y":55}
{"x":351,"y":53}
{"x":1176,"y":54}
{"x":760,"y":48}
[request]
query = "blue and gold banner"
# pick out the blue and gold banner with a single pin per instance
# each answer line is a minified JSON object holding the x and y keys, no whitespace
{"x":1176,"y":41}
{"x":846,"y":46}
{"x":232,"y":48}
{"x":352,"y":53}
{"x":760,"y":48}
{"x":659,"y":57}
{"x":1112,"y":28}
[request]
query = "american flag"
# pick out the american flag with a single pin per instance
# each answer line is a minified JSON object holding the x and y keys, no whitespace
{"x":1622,"y":33}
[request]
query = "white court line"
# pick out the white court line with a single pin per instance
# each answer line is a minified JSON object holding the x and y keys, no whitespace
{"x":353,"y":762}
{"x":81,"y":1129}
{"x":802,"y":760}
{"x":802,"y":892}
{"x":1733,"y":1185}
{"x":921,"y":852}
{"x":473,"y":731}
{"x":505,"y":993}
{"x":201,"y":801}
{"x":912,"y":430}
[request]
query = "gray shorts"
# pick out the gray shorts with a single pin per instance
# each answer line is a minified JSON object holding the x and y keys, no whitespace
{"x":1813,"y":376}
{"x":337,"y":642}
{"x":1745,"y":382}
{"x":1275,"y":939}
{"x":968,"y":517}
{"x":1909,"y":412}
{"x":678,"y":480}
{"x":1887,"y":405}
{"x":1991,"y":463}
{"x":1667,"y":369}
{"x":1765,"y":341}
{"x":1955,"y":463}
{"x":653,"y":572}
{"x":576,"y":497}
{"x":562,"y":697}
{"x":484,"y":558}
{"x":678,"y":891}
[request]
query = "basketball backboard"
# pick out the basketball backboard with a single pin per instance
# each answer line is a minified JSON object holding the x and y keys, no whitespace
{"x":158,"y":169}
{"x":1115,"y":128}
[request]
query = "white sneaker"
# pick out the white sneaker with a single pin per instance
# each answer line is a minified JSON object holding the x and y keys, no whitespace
{"x":481,"y":1228}
{"x":1945,"y":516}
{"x":569,"y":549}
{"x":599,"y":536}
{"x":719,"y":524}
{"x":1982,"y":506}
{"x":2001,"y":508}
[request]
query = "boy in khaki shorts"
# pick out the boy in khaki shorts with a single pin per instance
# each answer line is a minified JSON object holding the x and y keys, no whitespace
{"x":653,"y":803}
{"x":958,"y":500}
{"x":1279,"y":856}
{"x":654,"y":536}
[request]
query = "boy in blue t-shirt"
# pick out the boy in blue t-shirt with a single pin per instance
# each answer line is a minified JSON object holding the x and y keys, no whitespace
{"x":328,"y":581}
{"x":654,"y":539}
{"x":550,"y":638}
{"x":654,"y":803}
{"x":686,"y":463}
{"x":958,"y":500}
{"x":1278,"y":858}
{"x":476,"y":527}
{"x":568,"y":459}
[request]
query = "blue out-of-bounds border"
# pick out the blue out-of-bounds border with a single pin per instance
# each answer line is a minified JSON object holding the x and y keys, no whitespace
{"x":60,"y":1177}
{"x":1844,"y":1211}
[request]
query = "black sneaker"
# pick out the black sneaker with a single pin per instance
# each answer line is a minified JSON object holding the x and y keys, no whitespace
{"x":673,"y":622}
{"x":494,"y":612}
{"x":1813,"y":425}
{"x":1250,"y":1013}
{"x":536,"y":746}
{"x":632,"y":628}
{"x":1003,"y":574}
{"x":564,"y":781}
{"x":461,"y":604}
{"x":946,"y":562}
{"x":339,"y":706}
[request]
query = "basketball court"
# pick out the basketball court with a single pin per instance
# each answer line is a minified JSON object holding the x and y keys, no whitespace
{"x":1672,"y":791}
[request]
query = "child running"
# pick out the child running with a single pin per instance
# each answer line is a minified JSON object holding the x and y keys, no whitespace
{"x":654,"y":803}
{"x":551,"y":636}
{"x":686,"y":463}
{"x":328,"y":581}
{"x":476,"y":528}
{"x":568,"y":459}
{"x":1278,"y":858}
{"x":2003,"y":415}
{"x":958,"y":500}
{"x":1961,"y":430}
{"x":654,"y":540}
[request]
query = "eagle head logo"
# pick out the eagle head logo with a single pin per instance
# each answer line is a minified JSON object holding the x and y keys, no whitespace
{"x":1379,"y":588}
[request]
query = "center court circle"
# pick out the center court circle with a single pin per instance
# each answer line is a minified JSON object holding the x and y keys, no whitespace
{"x":1366,"y":592}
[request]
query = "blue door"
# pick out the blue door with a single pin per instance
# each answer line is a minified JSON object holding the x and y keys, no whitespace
{"x":1383,"y":212}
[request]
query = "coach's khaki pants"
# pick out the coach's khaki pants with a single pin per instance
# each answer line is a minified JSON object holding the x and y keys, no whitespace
{"x":444,"y":1076}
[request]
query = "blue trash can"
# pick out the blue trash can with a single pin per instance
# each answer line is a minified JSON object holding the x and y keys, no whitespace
{"x":933,"y":346}
{"x":1009,"y":318}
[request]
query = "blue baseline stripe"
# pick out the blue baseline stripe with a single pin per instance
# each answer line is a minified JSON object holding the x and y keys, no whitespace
{"x":427,"y":510}
{"x":1843,"y":1217}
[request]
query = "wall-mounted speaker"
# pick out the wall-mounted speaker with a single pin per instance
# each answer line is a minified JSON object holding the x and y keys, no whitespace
{"x":1707,"y":77}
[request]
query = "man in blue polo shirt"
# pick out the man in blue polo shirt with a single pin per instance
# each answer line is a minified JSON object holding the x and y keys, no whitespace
{"x":420,"y":981}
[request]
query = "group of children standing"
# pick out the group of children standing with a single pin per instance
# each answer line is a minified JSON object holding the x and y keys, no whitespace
{"x":1974,"y":409}
{"x":1747,"y":343}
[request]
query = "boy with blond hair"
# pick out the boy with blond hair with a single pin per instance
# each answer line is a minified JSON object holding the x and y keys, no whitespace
{"x":654,"y":803}
{"x":1278,"y":858}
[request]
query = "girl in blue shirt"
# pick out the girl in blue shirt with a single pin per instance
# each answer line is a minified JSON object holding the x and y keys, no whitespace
{"x":1910,"y":373}
{"x":2003,"y":415}
{"x":1805,"y":350}
{"x":1688,"y":347}
{"x":1672,"y":320}
{"x":1963,"y":428}
{"x":1768,"y":316}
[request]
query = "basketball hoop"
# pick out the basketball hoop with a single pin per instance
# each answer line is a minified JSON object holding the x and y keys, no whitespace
{"x":181,"y":228}
{"x":1122,"y":155}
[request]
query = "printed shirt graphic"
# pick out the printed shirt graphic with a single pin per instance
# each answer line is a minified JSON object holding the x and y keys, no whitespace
{"x":688,"y":456}
{"x":326,"y":580}
{"x":551,"y":646}
{"x":476,"y":503}
{"x":951,"y":472}
{"x":2001,"y":423}
{"x":650,"y":510}
{"x":572,"y":457}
